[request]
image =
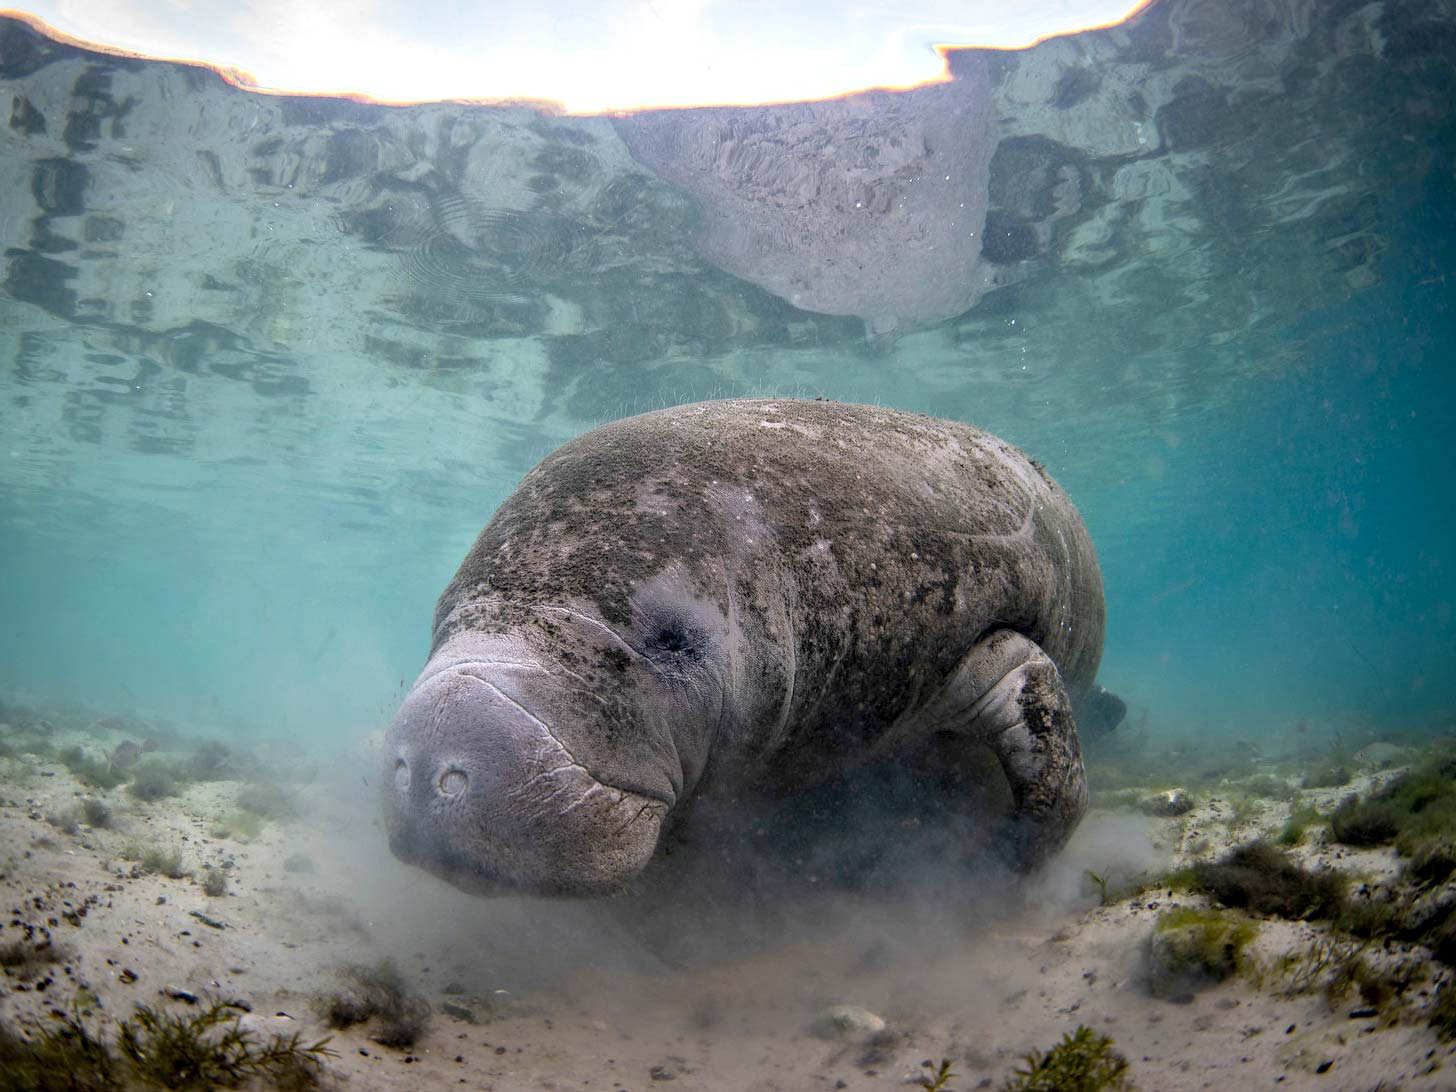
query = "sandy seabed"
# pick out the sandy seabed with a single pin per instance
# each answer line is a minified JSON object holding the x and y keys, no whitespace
{"x":537,"y":995}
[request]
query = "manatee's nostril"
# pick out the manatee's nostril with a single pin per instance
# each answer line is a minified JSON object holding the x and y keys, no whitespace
{"x":453,"y":782}
{"x":401,"y":774}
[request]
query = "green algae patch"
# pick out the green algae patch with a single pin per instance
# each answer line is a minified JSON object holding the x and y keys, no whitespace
{"x":1301,"y":818}
{"x":1193,"y":947}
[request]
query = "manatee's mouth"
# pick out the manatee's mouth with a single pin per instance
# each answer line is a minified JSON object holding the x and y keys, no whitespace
{"x":467,"y":871}
{"x":480,"y":791}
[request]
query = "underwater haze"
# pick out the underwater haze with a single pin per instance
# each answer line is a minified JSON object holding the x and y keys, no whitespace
{"x":270,"y":363}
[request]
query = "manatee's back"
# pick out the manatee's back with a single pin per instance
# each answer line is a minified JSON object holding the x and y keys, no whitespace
{"x":895,"y":542}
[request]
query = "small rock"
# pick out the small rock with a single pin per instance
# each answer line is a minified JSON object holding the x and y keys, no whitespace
{"x":1184,"y":959}
{"x":661,"y":1073}
{"x":1166,"y":805}
{"x":840,"y":1021}
{"x":264,"y":1027}
{"x":177,"y":993}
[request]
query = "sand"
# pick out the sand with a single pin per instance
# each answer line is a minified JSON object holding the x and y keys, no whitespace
{"x":537,"y":995}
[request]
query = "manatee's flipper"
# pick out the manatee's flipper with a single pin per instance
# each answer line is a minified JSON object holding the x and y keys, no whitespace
{"x":1099,"y":713}
{"x":1008,"y":694}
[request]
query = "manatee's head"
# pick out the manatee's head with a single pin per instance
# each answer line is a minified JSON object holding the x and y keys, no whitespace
{"x":545,"y":760}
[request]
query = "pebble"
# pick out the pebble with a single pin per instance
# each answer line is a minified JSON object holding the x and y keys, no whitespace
{"x":1165,"y":805}
{"x":838,"y":1021}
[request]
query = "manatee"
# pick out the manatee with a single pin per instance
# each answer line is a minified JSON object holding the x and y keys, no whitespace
{"x":744,"y":595}
{"x":872,"y":204}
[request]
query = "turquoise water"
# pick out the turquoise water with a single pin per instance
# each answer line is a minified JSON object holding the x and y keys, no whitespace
{"x":268,"y":365}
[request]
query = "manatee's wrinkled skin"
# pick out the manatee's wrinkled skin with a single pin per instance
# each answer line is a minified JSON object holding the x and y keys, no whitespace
{"x":764,"y":593}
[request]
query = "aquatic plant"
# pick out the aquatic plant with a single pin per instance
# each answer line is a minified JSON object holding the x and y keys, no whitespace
{"x":96,"y":812}
{"x":1329,"y":964}
{"x":65,"y":1057}
{"x":1442,"y":1013}
{"x":939,"y":1077}
{"x":1193,"y":947}
{"x":25,"y":958}
{"x":1084,"y":1061}
{"x":1369,"y":917}
{"x":376,"y":992}
{"x":1369,"y":822}
{"x":89,"y":770}
{"x":67,"y":822}
{"x":214,"y":882}
{"x":153,"y":780}
{"x":207,"y":1048}
{"x":1263,"y":878}
{"x":1416,"y":806}
{"x":156,"y":858}
{"x":1432,"y":861}
{"x":212,"y":761}
{"x":1301,"y":818}
{"x":189,"y":1052}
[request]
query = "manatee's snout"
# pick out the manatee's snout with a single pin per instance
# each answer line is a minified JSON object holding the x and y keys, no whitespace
{"x":478,"y":790}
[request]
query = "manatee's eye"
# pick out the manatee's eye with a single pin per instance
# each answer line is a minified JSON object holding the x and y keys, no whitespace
{"x":673,"y":642}
{"x":453,"y":782}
